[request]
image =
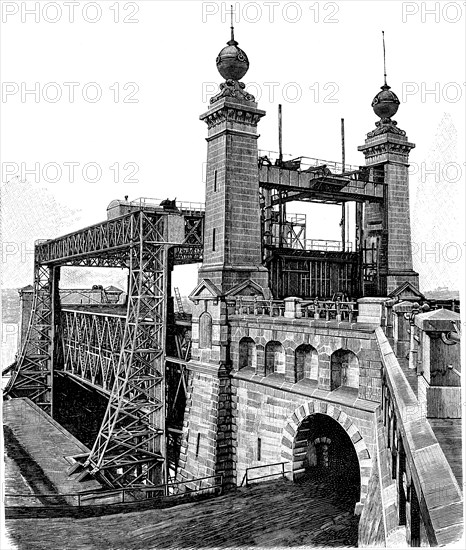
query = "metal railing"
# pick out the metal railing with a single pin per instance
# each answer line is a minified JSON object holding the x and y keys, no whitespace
{"x":122,"y":495}
{"x":329,"y":310}
{"x":311,"y":244}
{"x":255,"y":306}
{"x":246,"y":479}
{"x":147,"y":202}
{"x":310,"y":162}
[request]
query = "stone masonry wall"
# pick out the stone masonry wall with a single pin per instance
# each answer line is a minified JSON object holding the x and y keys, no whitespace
{"x":325,"y":336}
{"x":199,"y":445}
{"x":371,"y":532}
{"x":263,"y":412}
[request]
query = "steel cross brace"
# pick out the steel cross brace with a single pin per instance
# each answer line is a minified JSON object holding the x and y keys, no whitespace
{"x":33,"y":374}
{"x":130,"y":447}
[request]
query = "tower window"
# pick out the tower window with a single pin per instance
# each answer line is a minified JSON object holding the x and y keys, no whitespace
{"x":198,"y":442}
{"x":259,"y":448}
{"x":215,"y":180}
{"x":213,"y":240}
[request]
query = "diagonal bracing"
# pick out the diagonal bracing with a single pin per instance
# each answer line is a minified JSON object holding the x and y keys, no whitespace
{"x":130,"y":447}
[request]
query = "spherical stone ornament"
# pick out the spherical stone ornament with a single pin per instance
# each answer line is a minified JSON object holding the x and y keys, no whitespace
{"x":232,"y":62}
{"x":385,"y":103}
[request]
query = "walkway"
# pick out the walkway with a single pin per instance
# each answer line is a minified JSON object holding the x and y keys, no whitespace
{"x":36,"y":447}
{"x":282,"y":513}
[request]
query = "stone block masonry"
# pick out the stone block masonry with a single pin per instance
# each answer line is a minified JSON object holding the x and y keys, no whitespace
{"x":326,"y":337}
{"x":387,"y":225}
{"x":232,"y":242}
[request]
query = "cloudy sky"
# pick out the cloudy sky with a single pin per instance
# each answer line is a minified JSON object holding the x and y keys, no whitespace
{"x":102,"y":100}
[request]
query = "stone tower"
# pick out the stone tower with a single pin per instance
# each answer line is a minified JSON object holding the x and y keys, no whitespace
{"x":232,"y":236}
{"x":387,"y":225}
{"x":232,"y":266}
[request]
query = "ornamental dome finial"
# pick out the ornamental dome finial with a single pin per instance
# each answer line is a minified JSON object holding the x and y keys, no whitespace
{"x":232,"y":62}
{"x":385,"y":103}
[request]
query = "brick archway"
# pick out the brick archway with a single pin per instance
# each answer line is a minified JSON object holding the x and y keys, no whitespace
{"x":317,"y":407}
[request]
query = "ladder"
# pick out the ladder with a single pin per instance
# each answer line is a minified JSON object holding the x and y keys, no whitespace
{"x":179,"y":302}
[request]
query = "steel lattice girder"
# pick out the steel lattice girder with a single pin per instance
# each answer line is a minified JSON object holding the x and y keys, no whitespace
{"x":130,"y":446}
{"x":91,"y":345}
{"x":33,"y":375}
{"x":107,"y":244}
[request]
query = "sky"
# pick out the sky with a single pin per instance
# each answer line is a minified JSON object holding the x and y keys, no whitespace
{"x":102,"y":100}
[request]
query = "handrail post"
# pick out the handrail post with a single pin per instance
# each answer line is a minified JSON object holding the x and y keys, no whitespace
{"x":283,"y":470}
{"x":123,"y":495}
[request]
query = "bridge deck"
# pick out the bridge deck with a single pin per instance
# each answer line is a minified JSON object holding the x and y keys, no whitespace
{"x":37,"y":446}
{"x":307,"y":514}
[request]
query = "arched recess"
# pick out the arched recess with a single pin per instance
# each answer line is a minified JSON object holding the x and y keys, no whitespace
{"x":274,"y":358}
{"x":291,"y":452}
{"x":344,"y":369}
{"x":306,"y":364}
{"x":205,"y":331}
{"x":247,"y":353}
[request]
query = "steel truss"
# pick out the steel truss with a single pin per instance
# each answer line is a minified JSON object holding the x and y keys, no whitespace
{"x":130,"y":446}
{"x":33,"y":375}
{"x":124,"y":353}
{"x":179,"y":348}
{"x":91,"y":345}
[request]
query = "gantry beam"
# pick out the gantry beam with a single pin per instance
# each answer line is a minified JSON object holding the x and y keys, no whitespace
{"x":106,"y":244}
{"x":316,"y":187}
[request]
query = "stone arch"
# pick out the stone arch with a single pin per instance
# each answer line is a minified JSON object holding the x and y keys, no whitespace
{"x":290,"y":432}
{"x":274,"y":358}
{"x":205,"y":331}
{"x":247,"y":353}
{"x":306,"y":364}
{"x":344,"y":369}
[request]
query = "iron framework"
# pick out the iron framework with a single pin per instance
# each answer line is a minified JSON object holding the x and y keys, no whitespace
{"x":123,"y":354}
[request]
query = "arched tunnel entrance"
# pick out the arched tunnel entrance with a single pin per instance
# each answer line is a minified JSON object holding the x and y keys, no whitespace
{"x":328,"y":458}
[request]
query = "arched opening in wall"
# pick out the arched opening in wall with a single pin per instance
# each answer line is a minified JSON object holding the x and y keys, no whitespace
{"x":306,"y":363}
{"x":324,"y":450}
{"x":344,"y":366}
{"x":274,"y":358}
{"x":247,"y":353}
{"x":205,"y":331}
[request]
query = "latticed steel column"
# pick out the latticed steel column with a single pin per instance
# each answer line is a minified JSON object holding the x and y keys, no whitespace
{"x":33,"y":375}
{"x":130,"y":447}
